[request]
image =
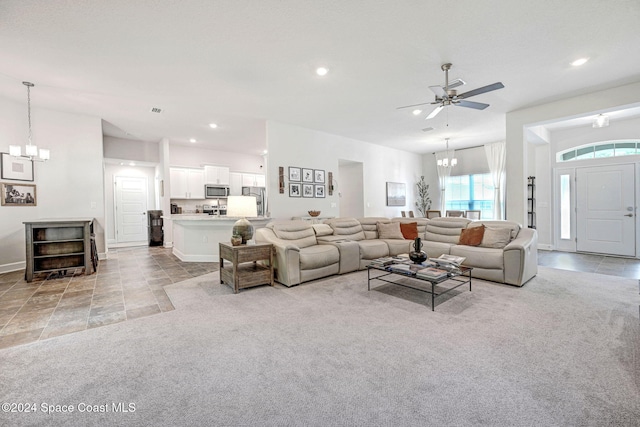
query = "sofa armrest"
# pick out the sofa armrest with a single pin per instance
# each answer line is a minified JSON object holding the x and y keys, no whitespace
{"x":287,"y":257}
{"x":521,"y":257}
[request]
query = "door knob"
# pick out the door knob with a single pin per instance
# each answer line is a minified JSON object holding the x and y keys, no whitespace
{"x":629,"y":215}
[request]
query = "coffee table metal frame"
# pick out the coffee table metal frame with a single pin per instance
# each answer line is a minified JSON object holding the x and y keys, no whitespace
{"x":462,"y":278}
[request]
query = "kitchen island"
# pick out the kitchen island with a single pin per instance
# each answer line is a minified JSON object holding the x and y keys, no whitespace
{"x":196,"y":236}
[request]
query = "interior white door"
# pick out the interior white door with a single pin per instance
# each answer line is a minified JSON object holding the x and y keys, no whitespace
{"x":605,"y":219}
{"x":131,"y":209}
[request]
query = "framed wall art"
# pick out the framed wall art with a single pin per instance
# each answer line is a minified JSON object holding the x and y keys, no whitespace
{"x":294,"y":174}
{"x":396,"y":194}
{"x":319,"y":190}
{"x":307,"y":175}
{"x":294,"y":189}
{"x":307,"y":190}
{"x":18,"y":194}
{"x":16,"y":168}
{"x":318,"y":176}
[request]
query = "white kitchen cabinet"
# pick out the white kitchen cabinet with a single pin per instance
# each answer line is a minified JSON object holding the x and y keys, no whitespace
{"x":253,"y":180}
{"x":186,"y":183}
{"x":235,"y":184}
{"x":216,"y":175}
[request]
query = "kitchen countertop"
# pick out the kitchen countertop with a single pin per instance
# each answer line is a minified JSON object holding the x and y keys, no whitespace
{"x":207,"y":217}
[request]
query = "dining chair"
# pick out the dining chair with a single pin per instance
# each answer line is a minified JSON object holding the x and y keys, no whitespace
{"x":456,"y":214}
{"x":411,"y":214}
{"x":472,"y":214}
{"x":403,"y":213}
{"x":433,"y":214}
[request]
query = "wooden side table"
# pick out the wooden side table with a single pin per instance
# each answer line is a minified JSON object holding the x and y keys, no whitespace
{"x":244,"y":271}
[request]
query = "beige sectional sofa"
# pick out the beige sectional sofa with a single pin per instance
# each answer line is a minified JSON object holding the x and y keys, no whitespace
{"x":306,"y":252}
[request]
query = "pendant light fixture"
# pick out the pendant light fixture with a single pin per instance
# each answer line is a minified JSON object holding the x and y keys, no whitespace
{"x":31,"y":151}
{"x":448,"y":161}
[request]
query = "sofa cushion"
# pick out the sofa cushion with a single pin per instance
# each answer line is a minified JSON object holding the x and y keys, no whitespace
{"x":487,"y":258}
{"x":421,"y":223}
{"x":389,"y":230}
{"x":370,"y":226}
{"x":496,"y":237}
{"x":322,"y":229}
{"x":297,"y":233}
{"x":435,"y":249}
{"x":318,"y":256}
{"x":446,"y":230}
{"x":397,"y":247}
{"x":511,"y":225}
{"x":409,"y":230}
{"x":347,"y":228}
{"x":471,"y":236}
{"x":373,"y":248}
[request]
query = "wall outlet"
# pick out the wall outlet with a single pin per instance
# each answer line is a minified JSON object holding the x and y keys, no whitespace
{"x":94,"y":205}
{"x":334,"y":205}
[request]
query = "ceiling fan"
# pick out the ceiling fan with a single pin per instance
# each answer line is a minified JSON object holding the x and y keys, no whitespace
{"x":448,"y":96}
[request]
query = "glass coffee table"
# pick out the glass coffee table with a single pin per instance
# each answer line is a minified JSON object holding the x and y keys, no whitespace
{"x":436,"y":287}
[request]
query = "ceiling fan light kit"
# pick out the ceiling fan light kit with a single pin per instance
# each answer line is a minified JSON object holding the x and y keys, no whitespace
{"x":601,"y":121}
{"x":447,"y":95}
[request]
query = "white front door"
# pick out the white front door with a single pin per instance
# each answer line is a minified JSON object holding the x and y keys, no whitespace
{"x":131,"y":209}
{"x":605,"y":200}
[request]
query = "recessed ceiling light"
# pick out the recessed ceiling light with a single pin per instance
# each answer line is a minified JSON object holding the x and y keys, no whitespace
{"x":416,"y":112}
{"x":265,"y":152}
{"x":213,"y":125}
{"x":322,"y":71}
{"x":192,"y":140}
{"x":132,"y":164}
{"x":580,"y":61}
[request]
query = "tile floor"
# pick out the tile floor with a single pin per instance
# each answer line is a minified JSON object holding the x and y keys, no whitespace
{"x":126,"y":286}
{"x":130,"y":285}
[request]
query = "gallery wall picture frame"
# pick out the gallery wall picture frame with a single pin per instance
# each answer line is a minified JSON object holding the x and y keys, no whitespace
{"x":294,"y":189}
{"x":307,"y":190}
{"x":294,"y":174}
{"x":307,"y":175}
{"x":318,"y":176}
{"x":14,"y":194}
{"x":319,"y":190}
{"x":16,"y":168}
{"x":396,"y":194}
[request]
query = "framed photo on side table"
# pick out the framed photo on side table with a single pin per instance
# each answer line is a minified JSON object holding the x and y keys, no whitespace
{"x":18,"y":194}
{"x":16,"y":168}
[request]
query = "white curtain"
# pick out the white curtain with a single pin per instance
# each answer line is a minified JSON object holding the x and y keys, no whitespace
{"x":443,"y":173}
{"x":496,"y":157}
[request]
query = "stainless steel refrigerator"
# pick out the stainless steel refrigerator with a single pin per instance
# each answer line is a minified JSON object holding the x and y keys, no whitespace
{"x":259,"y":194}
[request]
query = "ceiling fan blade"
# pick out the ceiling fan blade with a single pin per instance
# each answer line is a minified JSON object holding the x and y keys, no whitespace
{"x":414,"y":105}
{"x":439,"y":91}
{"x":435,"y":112}
{"x":483,"y":89}
{"x":470,"y":104}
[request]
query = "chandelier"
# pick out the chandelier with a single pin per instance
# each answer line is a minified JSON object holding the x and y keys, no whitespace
{"x":448,"y":161}
{"x":31,"y":151}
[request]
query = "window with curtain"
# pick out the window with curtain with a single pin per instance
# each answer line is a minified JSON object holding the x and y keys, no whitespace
{"x":470,"y":192}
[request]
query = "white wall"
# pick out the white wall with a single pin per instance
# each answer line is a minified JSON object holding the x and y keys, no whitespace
{"x":128,"y":149}
{"x":295,"y":146}
{"x":70,"y":185}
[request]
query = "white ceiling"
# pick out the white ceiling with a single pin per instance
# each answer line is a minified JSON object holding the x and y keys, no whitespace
{"x":239,"y":63}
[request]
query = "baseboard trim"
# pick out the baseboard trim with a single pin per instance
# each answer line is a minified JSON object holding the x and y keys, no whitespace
{"x":194,"y":258}
{"x":545,"y":247}
{"x":14,"y":266}
{"x":127,"y":245}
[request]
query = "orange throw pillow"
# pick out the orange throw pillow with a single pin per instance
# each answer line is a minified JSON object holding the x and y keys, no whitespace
{"x":410,"y":230}
{"x":471,"y":236}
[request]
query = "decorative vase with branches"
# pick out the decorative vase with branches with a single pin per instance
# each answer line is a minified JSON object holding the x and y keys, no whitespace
{"x":423,"y":202}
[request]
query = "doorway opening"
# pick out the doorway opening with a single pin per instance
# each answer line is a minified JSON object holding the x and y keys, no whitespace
{"x":351,"y":188}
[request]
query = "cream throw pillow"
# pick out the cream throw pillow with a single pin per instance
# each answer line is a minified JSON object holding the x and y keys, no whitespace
{"x":496,"y":237}
{"x":389,"y":230}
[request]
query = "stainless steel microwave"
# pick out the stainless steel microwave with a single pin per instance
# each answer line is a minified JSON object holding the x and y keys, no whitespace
{"x":215,"y":191}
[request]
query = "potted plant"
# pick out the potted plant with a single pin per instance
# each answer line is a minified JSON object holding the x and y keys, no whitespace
{"x":423,"y":202}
